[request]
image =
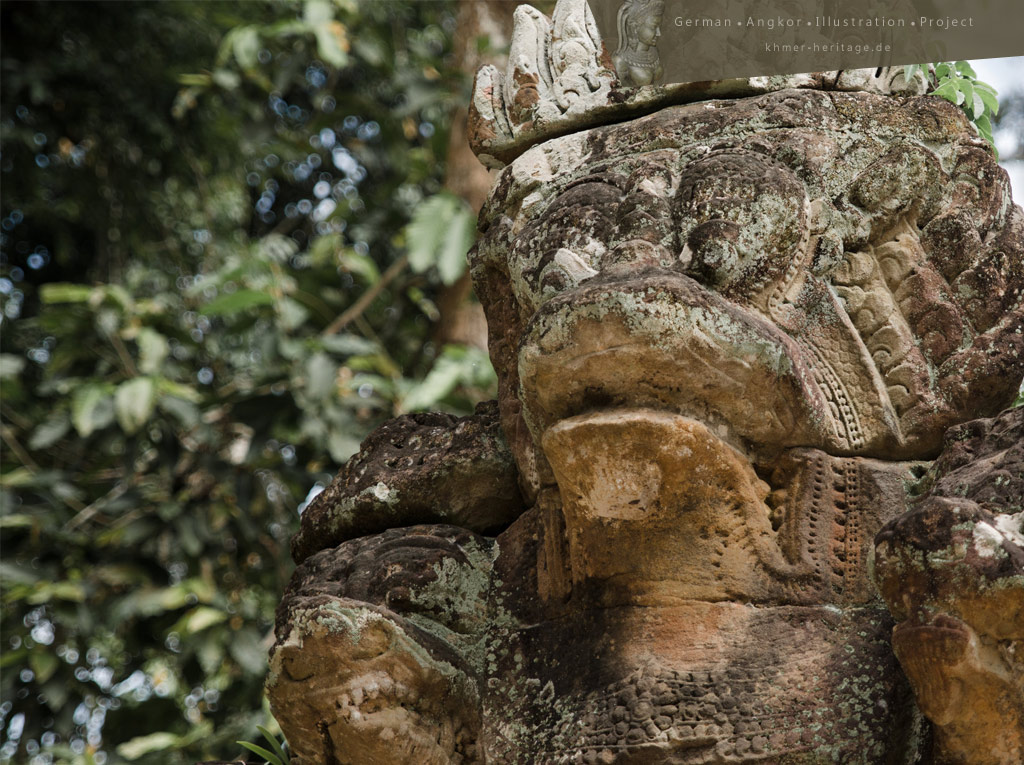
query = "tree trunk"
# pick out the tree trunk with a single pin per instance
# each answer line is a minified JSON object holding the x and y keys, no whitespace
{"x":461,"y":319}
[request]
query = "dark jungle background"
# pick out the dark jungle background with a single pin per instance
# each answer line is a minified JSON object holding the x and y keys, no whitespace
{"x":232,"y":241}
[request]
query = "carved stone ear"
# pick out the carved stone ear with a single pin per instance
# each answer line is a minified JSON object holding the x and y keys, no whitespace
{"x":374,"y":656}
{"x":418,"y":468}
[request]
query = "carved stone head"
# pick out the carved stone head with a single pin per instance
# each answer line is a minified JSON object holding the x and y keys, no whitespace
{"x":639,"y":27}
{"x":729,"y":337}
{"x":800,"y":269}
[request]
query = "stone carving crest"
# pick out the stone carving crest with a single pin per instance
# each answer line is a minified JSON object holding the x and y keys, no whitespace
{"x":561,"y":78}
{"x":747,"y":493}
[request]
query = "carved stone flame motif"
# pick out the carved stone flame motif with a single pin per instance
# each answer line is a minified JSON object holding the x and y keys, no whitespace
{"x":734,"y":502}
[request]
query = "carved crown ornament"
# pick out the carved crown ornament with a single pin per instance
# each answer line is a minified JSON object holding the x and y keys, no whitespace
{"x":561,"y":77}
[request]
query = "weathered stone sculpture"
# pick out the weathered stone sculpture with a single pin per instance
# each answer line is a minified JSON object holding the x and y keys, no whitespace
{"x":952,"y":570}
{"x":730,"y":337}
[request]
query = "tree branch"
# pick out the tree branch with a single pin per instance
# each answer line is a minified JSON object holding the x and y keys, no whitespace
{"x":364,"y":301}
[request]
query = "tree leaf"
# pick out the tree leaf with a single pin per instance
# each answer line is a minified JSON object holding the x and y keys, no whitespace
{"x":66,"y":293}
{"x":149,"y":601}
{"x":427,"y":229}
{"x":92,"y":408}
{"x":361,"y":265}
{"x":331,"y":44}
{"x":293,"y":314}
{"x":172,"y":388}
{"x":56,"y":693}
{"x":233,"y":302}
{"x":133,"y":403}
{"x":43,"y":663}
{"x":320,"y":376}
{"x":50,"y":431}
{"x":210,"y":654}
{"x":183,"y":411}
{"x":987,"y":96}
{"x":44,"y":592}
{"x":965,"y":69}
{"x":194,"y":80}
{"x":277,"y":248}
{"x":341,"y":445}
{"x":226,"y":78}
{"x":12,"y":574}
{"x":266,"y":754}
{"x":317,"y":12}
{"x":985,"y":129}
{"x":245,"y":44}
{"x":198,"y":619}
{"x":979,"y":106}
{"x":270,"y":737}
{"x":948,"y":91}
{"x":18,"y":477}
{"x":348,"y":345}
{"x":118,"y":295}
{"x":451,"y":262}
{"x":246,"y":648}
{"x":135,"y":748}
{"x":153,"y":349}
{"x":967,"y":90}
{"x":439,"y":382}
{"x":10,"y":365}
{"x":325,"y":248}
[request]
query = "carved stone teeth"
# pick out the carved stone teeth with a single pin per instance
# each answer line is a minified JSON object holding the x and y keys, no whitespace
{"x":380,"y":692}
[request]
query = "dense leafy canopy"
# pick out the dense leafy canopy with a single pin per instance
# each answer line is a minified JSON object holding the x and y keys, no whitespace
{"x":211,"y":292}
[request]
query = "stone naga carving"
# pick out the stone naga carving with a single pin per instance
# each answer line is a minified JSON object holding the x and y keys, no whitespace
{"x":731,"y":337}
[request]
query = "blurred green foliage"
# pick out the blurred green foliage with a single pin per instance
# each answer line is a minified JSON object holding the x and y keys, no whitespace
{"x":215,"y":282}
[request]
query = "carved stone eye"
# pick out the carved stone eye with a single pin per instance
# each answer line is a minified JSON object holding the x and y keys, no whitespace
{"x":553,"y":281}
{"x":714,"y":256}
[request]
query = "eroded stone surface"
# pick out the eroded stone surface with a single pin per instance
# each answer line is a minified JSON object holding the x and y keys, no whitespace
{"x":376,"y":657}
{"x":952,"y":571}
{"x":730,"y":337}
{"x":418,"y":468}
